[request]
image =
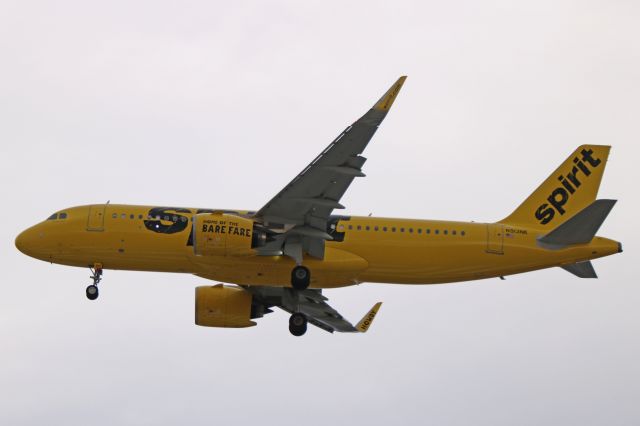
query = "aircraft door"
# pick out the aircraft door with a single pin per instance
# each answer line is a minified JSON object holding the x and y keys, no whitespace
{"x":95,"y":221}
{"x":495,"y":238}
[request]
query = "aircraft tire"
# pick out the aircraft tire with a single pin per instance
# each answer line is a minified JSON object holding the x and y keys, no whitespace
{"x":300,"y":278}
{"x":92,"y":292}
{"x":298,"y":324}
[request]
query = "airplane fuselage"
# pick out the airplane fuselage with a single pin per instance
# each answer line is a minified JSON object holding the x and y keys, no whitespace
{"x":295,"y":242}
{"x":363,"y":249}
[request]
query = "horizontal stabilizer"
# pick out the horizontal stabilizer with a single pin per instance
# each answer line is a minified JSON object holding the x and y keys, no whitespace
{"x":366,"y":321}
{"x":581,"y":228}
{"x":581,"y":269}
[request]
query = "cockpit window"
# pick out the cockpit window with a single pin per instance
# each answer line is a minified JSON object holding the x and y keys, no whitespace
{"x":53,"y":216}
{"x":62,"y":216}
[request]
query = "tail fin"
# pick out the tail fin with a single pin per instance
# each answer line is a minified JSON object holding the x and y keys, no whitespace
{"x":568,"y":190}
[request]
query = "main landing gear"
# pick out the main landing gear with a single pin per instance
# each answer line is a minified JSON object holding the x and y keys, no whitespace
{"x":298,"y":324}
{"x":300,"y":277}
{"x":92,"y":290}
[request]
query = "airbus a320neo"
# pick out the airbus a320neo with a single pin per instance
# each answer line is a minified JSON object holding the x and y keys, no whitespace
{"x":284,"y":254}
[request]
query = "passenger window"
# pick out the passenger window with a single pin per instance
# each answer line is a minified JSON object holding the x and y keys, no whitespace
{"x":393,"y":229}
{"x":375,"y":228}
{"x":419,"y":230}
{"x":437,"y":231}
{"x":62,"y":216}
{"x":411,"y":230}
{"x":453,"y":232}
{"x":184,"y":219}
{"x":359,"y":227}
{"x":123,"y":216}
{"x":462,"y":233}
{"x":384,"y":229}
{"x":367,"y":227}
{"x":401,"y":229}
{"x":131,"y":216}
{"x":445,"y":232}
{"x":53,"y":216}
{"x":341,"y":228}
{"x":114,"y":216}
{"x":350,"y":226}
{"x":139,"y":216}
{"x":428,"y":231}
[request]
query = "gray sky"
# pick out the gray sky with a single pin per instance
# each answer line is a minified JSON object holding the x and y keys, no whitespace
{"x":220,"y":105}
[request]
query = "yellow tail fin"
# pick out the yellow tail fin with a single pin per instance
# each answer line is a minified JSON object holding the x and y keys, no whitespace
{"x":572,"y":187}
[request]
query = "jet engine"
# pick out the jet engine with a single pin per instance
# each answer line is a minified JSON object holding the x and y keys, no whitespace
{"x":222,"y":306}
{"x":222,"y":234}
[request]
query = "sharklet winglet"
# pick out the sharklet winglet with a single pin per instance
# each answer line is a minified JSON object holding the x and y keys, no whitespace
{"x":367,"y":320}
{"x":385,"y":102}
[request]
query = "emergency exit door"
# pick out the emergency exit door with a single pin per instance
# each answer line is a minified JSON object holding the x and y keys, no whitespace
{"x":495,"y":238}
{"x":96,"y":217}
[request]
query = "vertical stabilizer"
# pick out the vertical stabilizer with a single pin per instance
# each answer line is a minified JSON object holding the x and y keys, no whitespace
{"x":568,"y":190}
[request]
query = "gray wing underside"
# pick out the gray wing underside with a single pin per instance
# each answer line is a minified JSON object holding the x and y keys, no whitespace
{"x":311,"y":303}
{"x":312,"y":195}
{"x":581,"y":269}
{"x":302,"y":208}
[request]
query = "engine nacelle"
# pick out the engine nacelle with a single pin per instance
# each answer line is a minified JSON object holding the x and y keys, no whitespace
{"x":222,"y":234}
{"x":221,"y":306}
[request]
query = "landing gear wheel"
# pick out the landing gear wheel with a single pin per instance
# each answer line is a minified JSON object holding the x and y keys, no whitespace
{"x":298,"y":324}
{"x":96,"y":276}
{"x":300,"y":278}
{"x":92,"y":292}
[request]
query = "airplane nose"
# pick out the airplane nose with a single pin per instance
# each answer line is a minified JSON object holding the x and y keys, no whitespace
{"x":21,"y":242}
{"x":27,"y":241}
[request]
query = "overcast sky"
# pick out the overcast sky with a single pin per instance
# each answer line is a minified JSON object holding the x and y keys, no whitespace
{"x":220,"y":104}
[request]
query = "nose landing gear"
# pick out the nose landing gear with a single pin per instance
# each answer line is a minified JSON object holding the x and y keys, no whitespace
{"x":92,"y":290}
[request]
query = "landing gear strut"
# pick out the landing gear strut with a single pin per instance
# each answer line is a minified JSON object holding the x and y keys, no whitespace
{"x":298,"y":324}
{"x":300,"y":278}
{"x":96,"y":276}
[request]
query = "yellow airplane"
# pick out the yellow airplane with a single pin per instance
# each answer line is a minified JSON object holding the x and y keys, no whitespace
{"x":284,"y":254}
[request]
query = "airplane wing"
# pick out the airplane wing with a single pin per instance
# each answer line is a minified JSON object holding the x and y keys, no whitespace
{"x":312,"y":304}
{"x":302,"y":209}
